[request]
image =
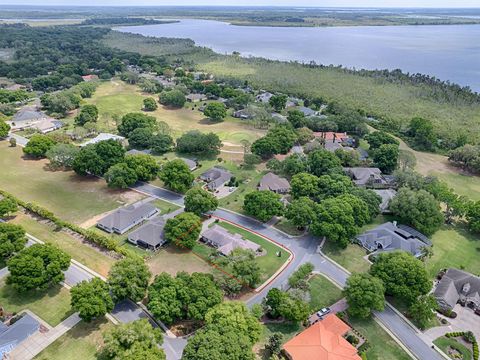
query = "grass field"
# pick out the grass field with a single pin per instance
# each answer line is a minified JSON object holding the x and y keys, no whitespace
{"x":79,"y":343}
{"x":52,"y":305}
{"x":170,"y":259}
{"x":83,"y":253}
{"x":445,"y":344}
{"x":164,"y":206}
{"x":322,"y":292}
{"x":350,"y":258}
{"x":71,"y":197}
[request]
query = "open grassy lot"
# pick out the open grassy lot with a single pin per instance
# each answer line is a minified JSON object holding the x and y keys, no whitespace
{"x":52,"y":305}
{"x":350,"y":258}
{"x":171,"y":259}
{"x":164,"y":206}
{"x":73,"y":198}
{"x":81,"y":342}
{"x":323,"y":292}
{"x":83,"y":253}
{"x":445,"y":344}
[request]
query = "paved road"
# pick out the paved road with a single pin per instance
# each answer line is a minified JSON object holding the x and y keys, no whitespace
{"x":305,"y":249}
{"x":21,"y":141}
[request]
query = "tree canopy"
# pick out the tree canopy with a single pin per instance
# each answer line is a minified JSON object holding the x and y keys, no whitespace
{"x":128,"y":279}
{"x":88,"y":113}
{"x":145,"y":166}
{"x":364,"y":294}
{"x":323,"y":162}
{"x":120,"y":176}
{"x":62,"y":156}
{"x":12,"y":239}
{"x":38,"y":145}
{"x":195,"y":142}
{"x":200,"y":201}
{"x":215,"y":111}
{"x":177,"y":176}
{"x":386,"y":157}
{"x":7,"y":206}
{"x":91,"y":299}
{"x":263,"y":205}
{"x":301,"y":212}
{"x":174,"y":98}
{"x":183,"y":230}
{"x":132,"y":121}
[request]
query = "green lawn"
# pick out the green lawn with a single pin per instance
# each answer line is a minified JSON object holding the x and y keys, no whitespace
{"x":445,"y":344}
{"x":350,"y":258}
{"x":288,"y":330}
{"x":73,"y":198}
{"x":83,"y":253}
{"x":164,"y":206}
{"x":79,"y":343}
{"x":454,"y":247}
{"x":323,"y":292}
{"x":467,"y":185}
{"x":52,"y":305}
{"x":287,"y":227}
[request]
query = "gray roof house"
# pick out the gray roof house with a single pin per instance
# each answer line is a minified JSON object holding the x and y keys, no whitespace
{"x":216,"y":177}
{"x":28,"y":114}
{"x":386,"y":195}
{"x":225,"y":242}
{"x":458,"y":286}
{"x":11,"y":336}
{"x":274,"y":183}
{"x":243,"y":114}
{"x":390,"y":237}
{"x":366,"y":176}
{"x":193,"y":98}
{"x":192,"y":164}
{"x":103,"y":137}
{"x":150,"y":235}
{"x":264,"y":97}
{"x":125,"y":218}
{"x":138,"y":152}
{"x":307,"y":111}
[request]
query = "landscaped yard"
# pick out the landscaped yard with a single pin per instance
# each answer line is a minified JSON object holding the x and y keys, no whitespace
{"x":350,"y":258}
{"x":84,"y":253}
{"x":52,"y":305}
{"x":288,"y":330}
{"x":72,"y":198}
{"x":172,"y":260}
{"x":323,"y":292}
{"x":449,"y":345}
{"x":164,"y":206}
{"x":79,"y":343}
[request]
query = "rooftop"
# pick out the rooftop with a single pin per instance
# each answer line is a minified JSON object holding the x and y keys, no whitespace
{"x":273,"y":182}
{"x":11,"y":336}
{"x":456,"y":284}
{"x":216,"y":177}
{"x":103,"y":137}
{"x":151,"y":233}
{"x":126,"y":216}
{"x":226,"y":242}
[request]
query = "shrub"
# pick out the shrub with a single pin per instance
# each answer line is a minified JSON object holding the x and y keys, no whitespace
{"x":301,"y":274}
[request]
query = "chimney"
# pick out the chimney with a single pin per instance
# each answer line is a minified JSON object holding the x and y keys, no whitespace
{"x":395,"y":223}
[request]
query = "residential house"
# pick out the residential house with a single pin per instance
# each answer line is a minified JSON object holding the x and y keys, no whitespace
{"x":192,"y":164}
{"x":264,"y":97}
{"x":324,"y":340}
{"x":367,"y":177}
{"x":279,"y":118}
{"x":225,"y":242}
{"x":274,"y":183}
{"x":13,"y":335}
{"x":31,"y":118}
{"x":48,"y":125}
{"x":138,"y":152}
{"x":332,"y":136}
{"x":150,"y":235}
{"x":243,"y":114}
{"x":391,"y":237}
{"x":194,"y":98}
{"x":166,"y":83}
{"x":89,"y":78}
{"x":458,"y":286}
{"x":125,"y":218}
{"x":216,"y":177}
{"x":103,"y":137}
{"x":307,"y":111}
{"x":386,"y":195}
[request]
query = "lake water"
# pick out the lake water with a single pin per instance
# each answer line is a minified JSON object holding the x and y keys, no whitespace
{"x":450,"y":52}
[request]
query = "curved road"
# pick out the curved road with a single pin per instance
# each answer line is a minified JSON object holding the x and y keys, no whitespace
{"x":305,"y":249}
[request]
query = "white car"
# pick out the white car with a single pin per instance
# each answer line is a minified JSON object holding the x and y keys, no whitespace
{"x":323,"y":312}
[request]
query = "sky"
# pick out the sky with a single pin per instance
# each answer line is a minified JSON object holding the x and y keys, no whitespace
{"x":313,"y":3}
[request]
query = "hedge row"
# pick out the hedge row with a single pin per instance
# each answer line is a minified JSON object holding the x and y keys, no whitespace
{"x":463,"y":333}
{"x":89,"y":235}
{"x":301,"y":274}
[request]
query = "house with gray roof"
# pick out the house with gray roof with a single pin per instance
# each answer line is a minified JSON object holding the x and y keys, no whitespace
{"x":150,"y":235}
{"x":225,"y":242}
{"x":458,"y":286}
{"x":307,"y":111}
{"x":392,"y":237}
{"x":28,"y":114}
{"x":367,"y":177}
{"x":103,"y":137}
{"x":138,"y":152}
{"x":125,"y":218}
{"x":194,"y":98}
{"x":243,"y":114}
{"x":274,"y":183}
{"x":192,"y":164}
{"x":386,"y":195}
{"x":216,"y":177}
{"x":264,"y":97}
{"x":13,"y":335}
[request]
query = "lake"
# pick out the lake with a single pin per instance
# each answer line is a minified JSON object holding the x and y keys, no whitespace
{"x":449,"y":52}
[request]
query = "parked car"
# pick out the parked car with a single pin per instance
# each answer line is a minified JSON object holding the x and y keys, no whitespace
{"x":324,"y":312}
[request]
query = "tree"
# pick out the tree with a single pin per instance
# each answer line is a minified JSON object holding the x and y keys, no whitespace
{"x":149,"y":104}
{"x":417,"y":208}
{"x":364,"y":294}
{"x":403,"y":276}
{"x":323,"y":162}
{"x":37,"y":267}
{"x":301,"y":212}
{"x":333,"y":185}
{"x":7,"y":206}
{"x":264,"y":147}
{"x":304,"y":185}
{"x":111,"y":152}
{"x":361,"y":212}
{"x":304,"y":135}
{"x":274,"y":343}
{"x":62,"y":156}
{"x":120,"y":176}
{"x":244,"y":267}
{"x":177,"y":176}
{"x":386,"y":158}
{"x":473,"y":216}
{"x":174,"y":98}
{"x":275,"y":297}
{"x":12,"y":239}
{"x":422,"y":311}
{"x":38,"y":145}
{"x":263,"y":205}
{"x":335,"y":220}
{"x":4,"y":129}
{"x":183,"y":230}
{"x":128,"y":279}
{"x":132,"y":121}
{"x":88,"y":162}
{"x":195,"y":142}
{"x":372,"y":199}
{"x":296,"y":118}
{"x":91,"y":299}
{"x":423,"y":134}
{"x":140,"y":138}
{"x":215,"y":111}
{"x":278,"y":102}
{"x":199,"y":201}
{"x":379,"y":138}
{"x":282,"y":304}
{"x":348,"y":158}
{"x":133,"y":341}
{"x":161,"y":143}
{"x":250,"y":160}
{"x":12,"y":141}
{"x":88,"y":113}
{"x":145,"y":166}
{"x":294,"y":164}
{"x":406,"y":160}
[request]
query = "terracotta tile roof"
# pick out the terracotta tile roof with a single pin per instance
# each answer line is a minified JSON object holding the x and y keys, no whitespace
{"x":330,"y":135}
{"x":322,"y":341}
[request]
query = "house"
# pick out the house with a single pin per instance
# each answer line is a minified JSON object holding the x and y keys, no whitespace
{"x":47,"y":125}
{"x":166,"y":83}
{"x":324,"y":340}
{"x":125,"y":218}
{"x":194,"y":98}
{"x":391,"y":237}
{"x":28,"y":114}
{"x":138,"y":152}
{"x":458,"y":286}
{"x":243,"y":114}
{"x":13,"y":335}
{"x":332,"y":136}
{"x":279,"y":118}
{"x":386,"y":195}
{"x":149,"y":236}
{"x":103,"y":137}
{"x":225,"y":242}
{"x":367,"y":177}
{"x":192,"y":164}
{"x":307,"y":111}
{"x":274,"y":183}
{"x":263,"y":97}
{"x":216,"y":177}
{"x":89,"y":78}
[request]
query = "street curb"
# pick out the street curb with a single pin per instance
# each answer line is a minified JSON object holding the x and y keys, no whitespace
{"x":334,"y":262}
{"x":88,"y":270}
{"x":417,"y":330}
